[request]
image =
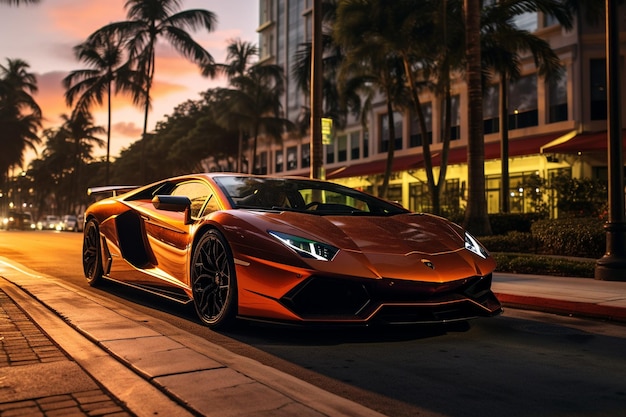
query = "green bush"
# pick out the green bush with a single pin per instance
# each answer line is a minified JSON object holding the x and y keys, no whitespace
{"x":503,"y":223}
{"x":544,"y":265}
{"x":511,"y":242}
{"x":580,"y":237}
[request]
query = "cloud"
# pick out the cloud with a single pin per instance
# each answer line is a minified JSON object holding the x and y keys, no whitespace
{"x":50,"y":97}
{"x":126,"y":129}
{"x":78,"y":18}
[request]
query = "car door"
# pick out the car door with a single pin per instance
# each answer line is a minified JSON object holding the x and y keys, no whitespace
{"x":169,"y":235}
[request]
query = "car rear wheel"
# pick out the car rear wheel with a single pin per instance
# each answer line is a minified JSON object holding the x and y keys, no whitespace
{"x":92,"y":255}
{"x":214,"y":284}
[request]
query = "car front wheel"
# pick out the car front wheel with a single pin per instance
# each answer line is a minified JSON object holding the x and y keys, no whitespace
{"x":214,"y":284}
{"x":92,"y":255}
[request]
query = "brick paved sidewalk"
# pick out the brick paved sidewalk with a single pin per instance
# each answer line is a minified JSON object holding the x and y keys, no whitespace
{"x":26,"y":356}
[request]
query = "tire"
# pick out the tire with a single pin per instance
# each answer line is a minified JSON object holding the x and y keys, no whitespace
{"x":92,"y":254}
{"x":213,"y":281}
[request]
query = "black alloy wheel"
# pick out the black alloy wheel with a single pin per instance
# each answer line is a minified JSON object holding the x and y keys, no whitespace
{"x":214,"y":284}
{"x":92,"y":255}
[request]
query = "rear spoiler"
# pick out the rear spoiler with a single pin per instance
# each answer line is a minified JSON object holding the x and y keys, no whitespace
{"x":114,"y":189}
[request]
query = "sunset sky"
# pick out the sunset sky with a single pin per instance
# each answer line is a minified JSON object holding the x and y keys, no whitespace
{"x":44,"y":35}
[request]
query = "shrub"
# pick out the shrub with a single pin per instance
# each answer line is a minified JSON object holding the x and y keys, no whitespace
{"x":511,"y":242}
{"x":544,"y":265}
{"x":503,"y":223}
{"x":581,"y":237}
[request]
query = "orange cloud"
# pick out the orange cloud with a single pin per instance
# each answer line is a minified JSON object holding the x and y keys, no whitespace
{"x":50,"y":97}
{"x":126,"y":129}
{"x":79,"y":19}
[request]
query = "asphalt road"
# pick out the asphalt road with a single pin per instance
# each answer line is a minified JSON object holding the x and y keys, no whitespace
{"x":518,"y":364}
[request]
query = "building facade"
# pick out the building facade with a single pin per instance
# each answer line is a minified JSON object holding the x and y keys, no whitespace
{"x":554,"y":127}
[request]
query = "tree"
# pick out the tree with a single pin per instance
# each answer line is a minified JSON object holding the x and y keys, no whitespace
{"x":67,"y":150}
{"x":253,"y":103}
{"x":239,"y":59}
{"x":108,"y":73}
{"x":20,"y":115}
{"x":151,"y":20}
{"x":476,"y":219}
{"x":406,"y":28}
{"x":502,"y":45}
{"x":365,"y":67}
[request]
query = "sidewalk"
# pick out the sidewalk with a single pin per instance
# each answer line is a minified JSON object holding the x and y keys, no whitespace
{"x":70,"y":352}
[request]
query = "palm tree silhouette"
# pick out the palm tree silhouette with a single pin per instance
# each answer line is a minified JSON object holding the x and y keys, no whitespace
{"x":151,"y":20}
{"x":108,"y":73}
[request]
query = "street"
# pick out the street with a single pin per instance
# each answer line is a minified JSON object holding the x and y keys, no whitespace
{"x":518,"y":364}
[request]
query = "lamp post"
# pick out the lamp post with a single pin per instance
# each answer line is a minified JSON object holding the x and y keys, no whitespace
{"x":612,"y":266}
{"x":316,"y":93}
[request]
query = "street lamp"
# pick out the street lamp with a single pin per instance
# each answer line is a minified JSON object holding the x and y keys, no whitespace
{"x":612,"y":266}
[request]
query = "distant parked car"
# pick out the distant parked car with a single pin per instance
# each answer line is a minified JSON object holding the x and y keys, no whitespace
{"x":17,"y":220}
{"x":68,"y":223}
{"x":48,"y":223}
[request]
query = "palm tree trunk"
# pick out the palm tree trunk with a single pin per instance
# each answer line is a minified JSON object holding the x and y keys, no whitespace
{"x":476,"y":219}
{"x":504,"y":153}
{"x":108,"y":164}
{"x":390,"y":151}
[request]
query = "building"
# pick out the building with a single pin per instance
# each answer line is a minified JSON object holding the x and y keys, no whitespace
{"x":554,"y":128}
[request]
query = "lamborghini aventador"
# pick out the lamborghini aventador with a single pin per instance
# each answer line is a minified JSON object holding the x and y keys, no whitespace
{"x":288,"y":250}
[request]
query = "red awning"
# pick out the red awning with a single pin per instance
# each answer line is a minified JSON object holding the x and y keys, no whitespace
{"x":584,"y":143}
{"x":458,"y":155}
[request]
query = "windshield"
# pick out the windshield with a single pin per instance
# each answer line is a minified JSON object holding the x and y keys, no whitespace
{"x":316,"y":197}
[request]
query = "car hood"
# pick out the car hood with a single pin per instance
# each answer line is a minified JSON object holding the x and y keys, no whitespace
{"x":387,"y":246}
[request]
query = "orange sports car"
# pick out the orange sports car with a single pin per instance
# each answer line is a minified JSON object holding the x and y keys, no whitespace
{"x":287,"y":249}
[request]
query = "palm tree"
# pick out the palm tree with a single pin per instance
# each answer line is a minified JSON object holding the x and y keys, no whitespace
{"x":20,"y":115}
{"x":253,"y":99}
{"x":253,"y":102}
{"x":106,"y":74}
{"x":239,"y":57}
{"x":150,"y":20}
{"x":503,"y":43}
{"x":68,"y":148}
{"x":476,"y":219}
{"x":366,"y":67}
{"x":404,"y":28}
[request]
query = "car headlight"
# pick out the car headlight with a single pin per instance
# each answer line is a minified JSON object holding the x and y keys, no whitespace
{"x":472,"y":245}
{"x":307,"y":248}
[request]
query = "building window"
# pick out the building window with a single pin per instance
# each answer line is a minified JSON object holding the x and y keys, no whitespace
{"x":455,"y":117}
{"x":330,"y":153}
{"x":597,"y":74}
{"x":557,"y":99}
{"x":261,"y":167}
{"x":419,"y":198}
{"x":265,"y":9}
{"x":526,"y":21}
{"x":366,"y":144}
{"x":342,"y":148}
{"x":416,"y":134}
{"x":394,"y":193}
{"x":549,"y":20}
{"x":523,"y":110}
{"x":292,"y":158}
{"x":306,"y":155}
{"x":384,"y":131}
{"x":491,"y":109}
{"x":355,"y":145}
{"x":279,"y":161}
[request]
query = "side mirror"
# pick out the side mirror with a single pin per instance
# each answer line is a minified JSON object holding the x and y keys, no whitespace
{"x":178,"y":203}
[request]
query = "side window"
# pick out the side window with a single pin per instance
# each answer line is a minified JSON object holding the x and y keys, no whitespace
{"x":197,"y":192}
{"x":211,"y":206}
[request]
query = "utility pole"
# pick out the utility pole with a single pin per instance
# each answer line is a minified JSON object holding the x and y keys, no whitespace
{"x":612,"y":266}
{"x":316,"y":93}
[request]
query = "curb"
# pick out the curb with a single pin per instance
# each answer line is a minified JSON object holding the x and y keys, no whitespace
{"x":563,"y":307}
